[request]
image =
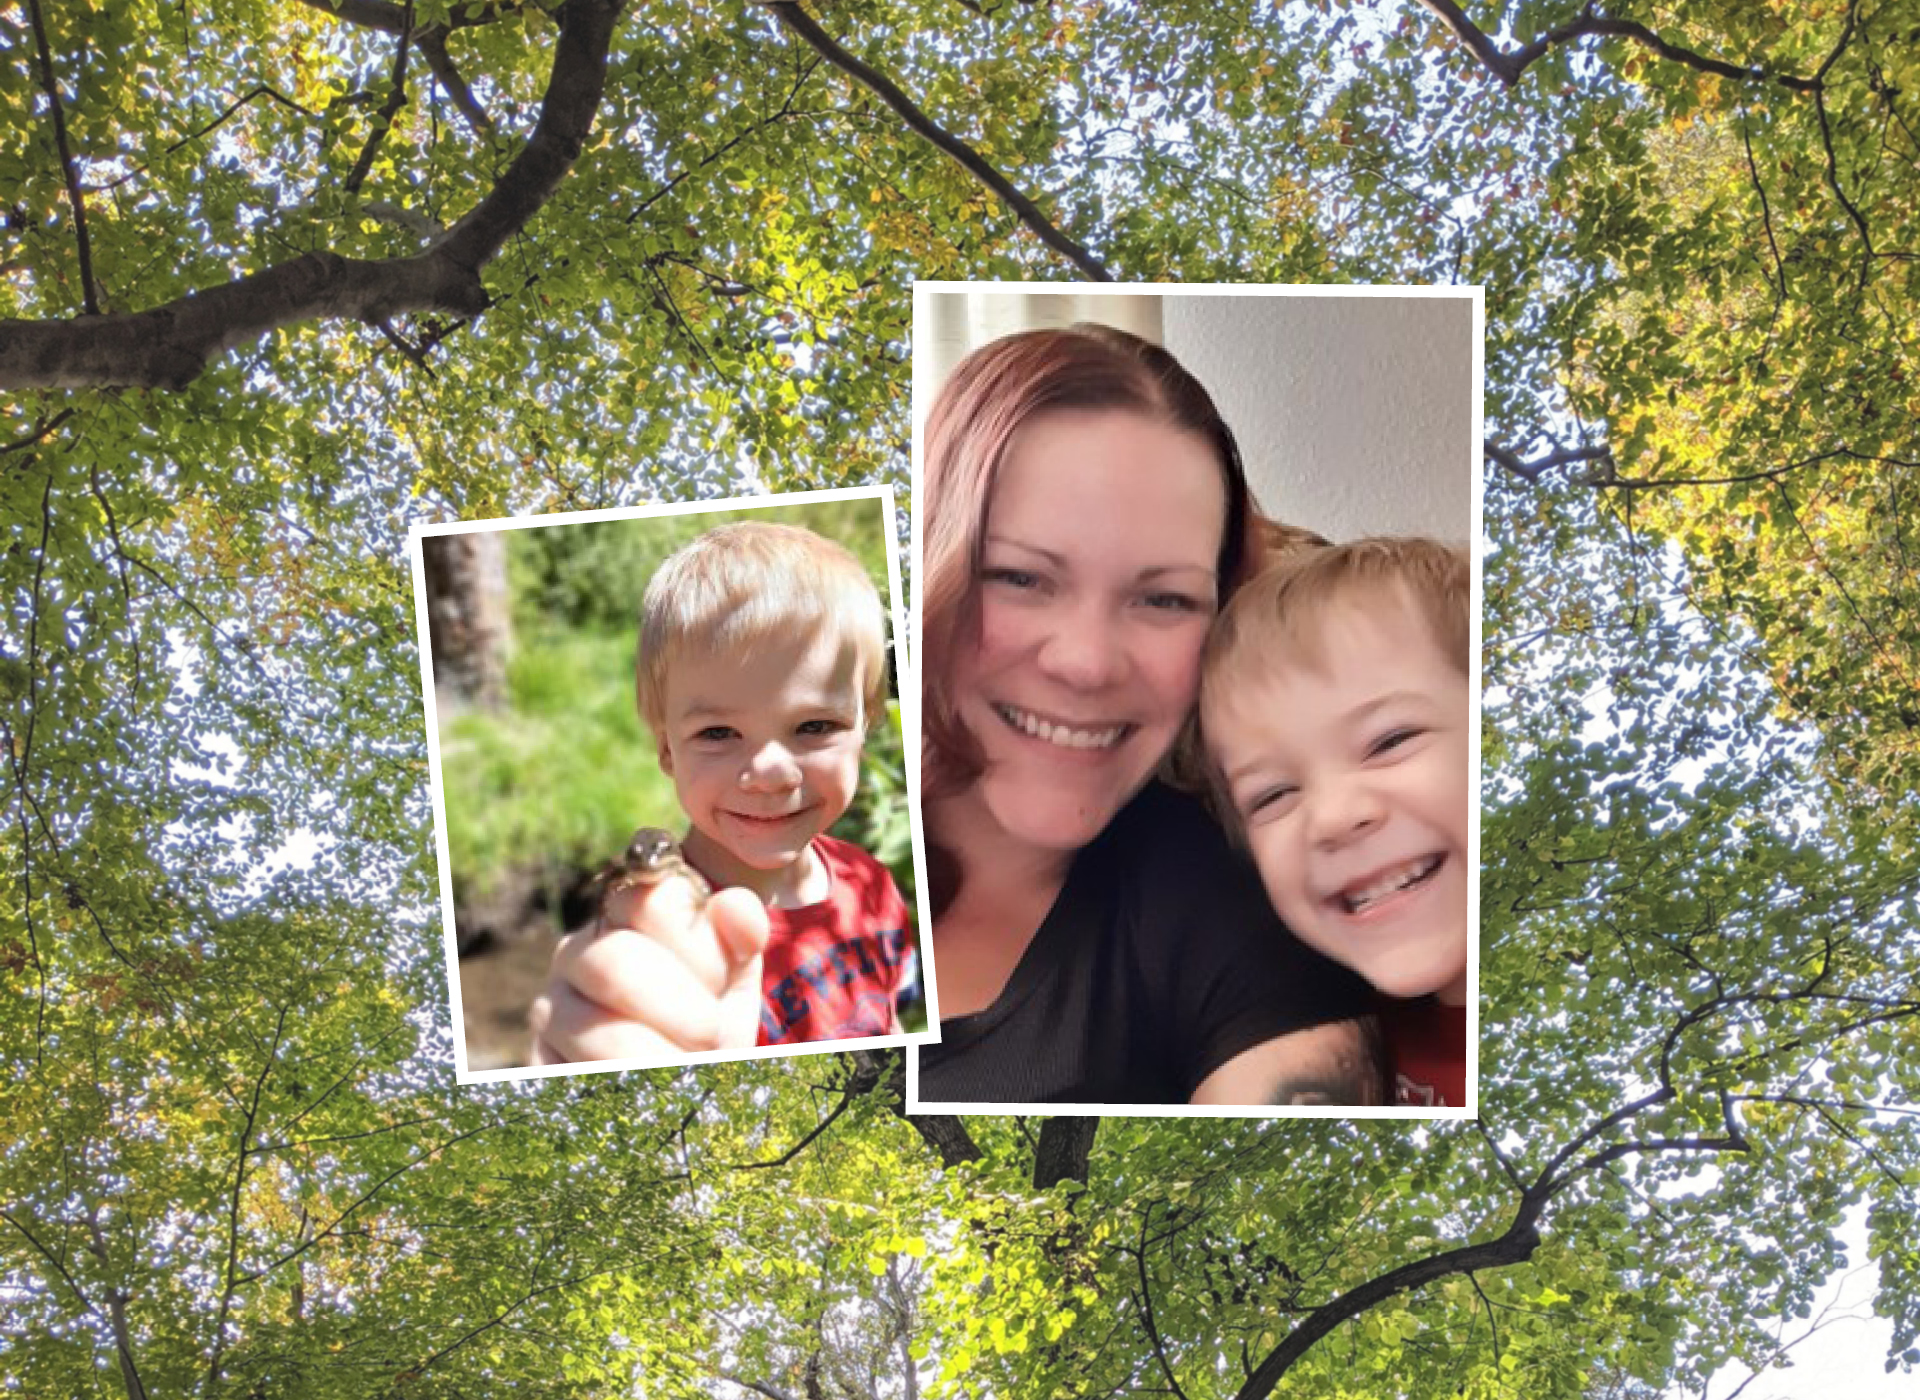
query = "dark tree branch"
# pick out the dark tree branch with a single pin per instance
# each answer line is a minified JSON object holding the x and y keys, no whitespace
{"x":1538,"y":467}
{"x":1606,"y":478}
{"x":1061,"y":1154}
{"x":863,"y":1075}
{"x":383,"y":120}
{"x":1514,"y":1246}
{"x":1506,"y":1163}
{"x":1522,"y":1236}
{"x":1146,"y":1303}
{"x":171,"y":345}
{"x":117,"y":1317}
{"x":58,"y":1265}
{"x":1492,"y":1322}
{"x":1826,"y":143}
{"x":433,"y":46}
{"x":1508,"y":64}
{"x":772,"y":1392}
{"x":719,"y":152}
{"x":261,"y":90}
{"x":1766,"y":219}
{"x":20,"y":759}
{"x":946,"y":1135}
{"x":430,"y":39}
{"x":232,"y":1266}
{"x":800,"y":23}
{"x":943,"y":1132}
{"x":38,"y":433}
{"x":72,"y":172}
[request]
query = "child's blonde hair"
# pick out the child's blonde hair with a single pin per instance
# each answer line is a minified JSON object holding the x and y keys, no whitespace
{"x":742,"y":586}
{"x":1279,"y":617}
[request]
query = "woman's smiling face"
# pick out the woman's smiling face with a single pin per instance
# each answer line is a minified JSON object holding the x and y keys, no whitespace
{"x":1096,"y":587}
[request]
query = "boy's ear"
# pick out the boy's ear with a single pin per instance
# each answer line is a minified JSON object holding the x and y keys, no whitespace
{"x":663,"y":753}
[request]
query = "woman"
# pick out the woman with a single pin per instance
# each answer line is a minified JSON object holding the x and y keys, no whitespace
{"x":1096,"y":939}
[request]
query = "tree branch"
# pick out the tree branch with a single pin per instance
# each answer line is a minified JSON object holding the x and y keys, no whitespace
{"x":1508,"y":64}
{"x":1146,"y":1301}
{"x":383,"y":120}
{"x":37,"y":433}
{"x":259,"y":90}
{"x":863,"y":1073}
{"x":171,"y":345}
{"x":1538,"y":467}
{"x":53,"y":1259}
{"x":232,"y":1269}
{"x":433,"y":45}
{"x":430,"y":39}
{"x":1826,"y":143}
{"x":1061,"y":1154}
{"x":1766,"y":218}
{"x":757,"y":1387}
{"x":943,"y":1132}
{"x":130,"y":1380}
{"x":72,"y":172}
{"x":970,"y":160}
{"x":1514,"y":1246}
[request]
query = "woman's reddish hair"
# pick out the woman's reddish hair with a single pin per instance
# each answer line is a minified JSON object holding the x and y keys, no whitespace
{"x":991,"y":395}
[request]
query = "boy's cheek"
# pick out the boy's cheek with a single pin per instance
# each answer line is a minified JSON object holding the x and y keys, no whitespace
{"x":1290,"y":900}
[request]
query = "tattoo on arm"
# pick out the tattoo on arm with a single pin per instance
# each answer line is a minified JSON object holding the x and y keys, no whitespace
{"x":1350,"y":1072}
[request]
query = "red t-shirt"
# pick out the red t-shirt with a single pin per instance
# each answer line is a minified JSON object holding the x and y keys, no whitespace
{"x":834,"y":969}
{"x":1427,"y":1049}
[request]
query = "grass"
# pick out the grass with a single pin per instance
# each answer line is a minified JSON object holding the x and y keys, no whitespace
{"x":558,"y":780}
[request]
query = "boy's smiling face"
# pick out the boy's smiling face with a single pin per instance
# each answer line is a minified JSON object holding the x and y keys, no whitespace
{"x":764,"y":753}
{"x":1350,"y":777}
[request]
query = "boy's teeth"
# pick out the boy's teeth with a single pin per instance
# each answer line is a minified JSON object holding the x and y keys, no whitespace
{"x":1392,"y":882}
{"x":1059,"y":733}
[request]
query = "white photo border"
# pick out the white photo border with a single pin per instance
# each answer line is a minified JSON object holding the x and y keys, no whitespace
{"x":905,"y":674}
{"x":1477,"y":544}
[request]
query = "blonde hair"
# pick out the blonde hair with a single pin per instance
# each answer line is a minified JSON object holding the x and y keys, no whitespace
{"x":1279,"y":617}
{"x":738,"y":587}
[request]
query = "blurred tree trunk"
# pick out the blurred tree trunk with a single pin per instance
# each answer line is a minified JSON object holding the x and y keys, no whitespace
{"x":469,"y":627}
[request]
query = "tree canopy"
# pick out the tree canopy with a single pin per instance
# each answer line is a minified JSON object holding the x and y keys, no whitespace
{"x":278,"y":279}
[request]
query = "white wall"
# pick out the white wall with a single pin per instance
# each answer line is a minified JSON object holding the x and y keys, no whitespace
{"x":1354,"y":413}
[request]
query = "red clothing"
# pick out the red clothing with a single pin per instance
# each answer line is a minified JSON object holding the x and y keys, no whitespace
{"x":1427,"y":1050}
{"x":834,"y":969}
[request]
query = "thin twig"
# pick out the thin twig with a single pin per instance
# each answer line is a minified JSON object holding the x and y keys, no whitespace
{"x":67,"y":165}
{"x":37,"y":432}
{"x":383,"y":120}
{"x":970,"y":160}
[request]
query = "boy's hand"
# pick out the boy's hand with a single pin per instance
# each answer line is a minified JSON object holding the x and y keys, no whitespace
{"x":660,"y":975}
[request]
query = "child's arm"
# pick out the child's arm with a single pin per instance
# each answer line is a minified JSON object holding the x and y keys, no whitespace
{"x":664,"y":978}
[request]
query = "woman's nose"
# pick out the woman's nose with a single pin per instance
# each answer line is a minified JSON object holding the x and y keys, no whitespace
{"x":1085,"y":649}
{"x":771,"y":768}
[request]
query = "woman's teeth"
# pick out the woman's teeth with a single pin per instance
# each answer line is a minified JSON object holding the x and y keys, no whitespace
{"x":1060,"y":734}
{"x":1354,"y":901}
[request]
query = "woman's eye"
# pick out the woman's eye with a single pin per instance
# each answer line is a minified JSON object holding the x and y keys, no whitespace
{"x":1175,"y":602}
{"x":1392,"y":740}
{"x":1012,"y":578}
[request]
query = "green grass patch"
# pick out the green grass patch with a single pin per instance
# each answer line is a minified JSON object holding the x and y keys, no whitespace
{"x":560,"y":779}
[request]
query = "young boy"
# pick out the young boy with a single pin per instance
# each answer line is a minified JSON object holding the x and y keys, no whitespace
{"x":761,"y":665}
{"x":1335,"y":710}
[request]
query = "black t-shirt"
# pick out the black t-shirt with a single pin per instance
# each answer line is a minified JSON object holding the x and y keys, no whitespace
{"x":1160,"y":960}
